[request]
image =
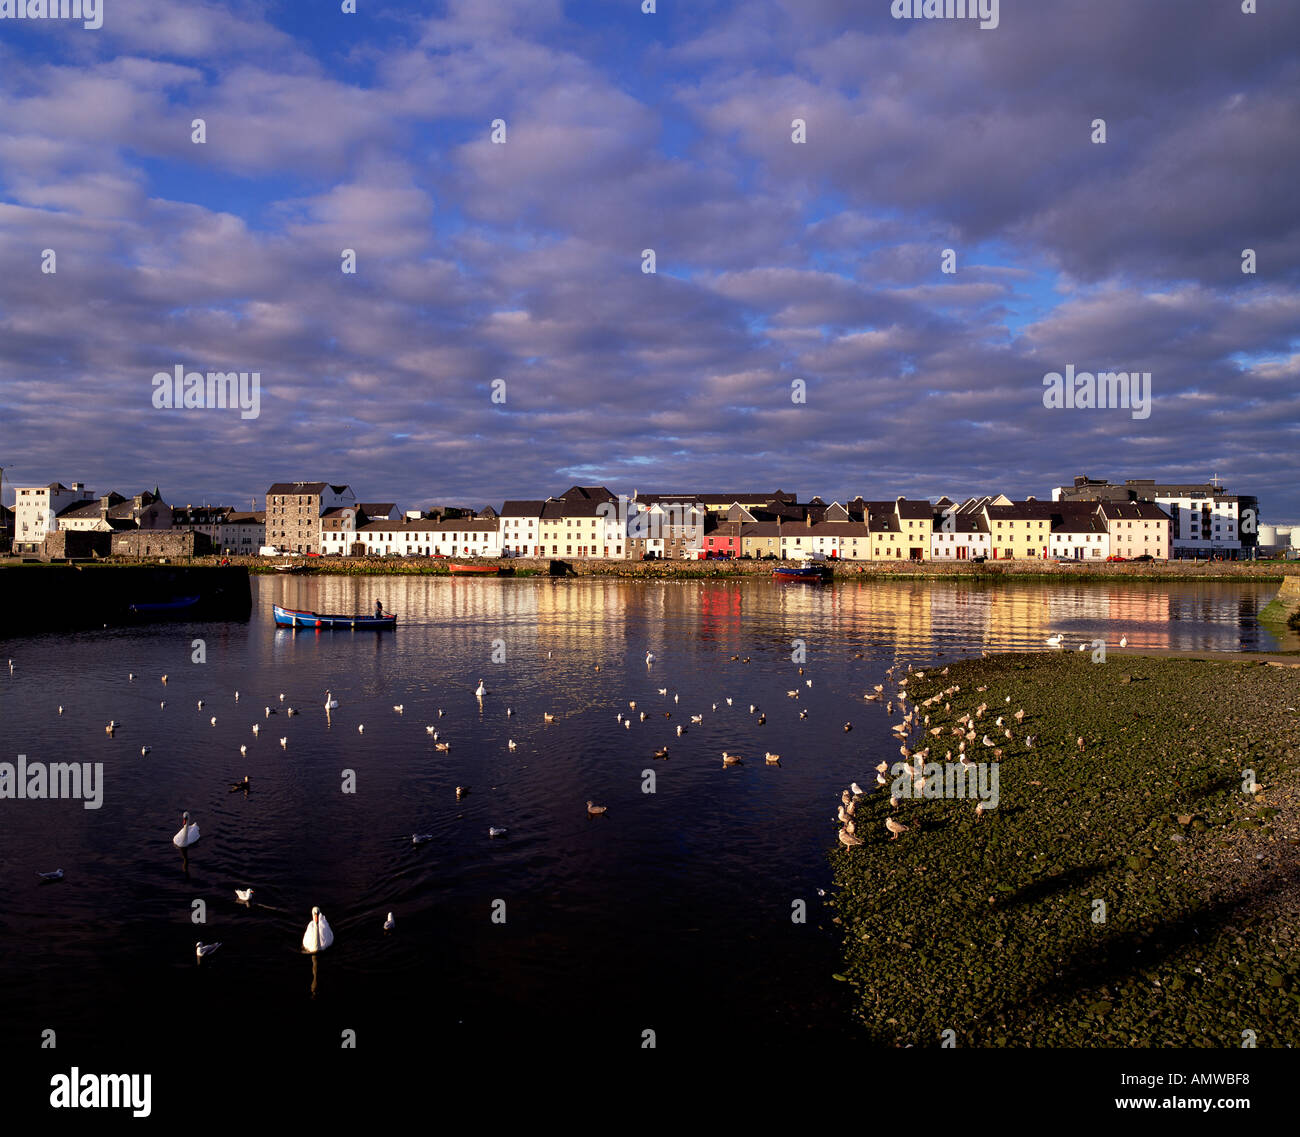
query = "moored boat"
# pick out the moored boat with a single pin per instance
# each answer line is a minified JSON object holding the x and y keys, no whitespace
{"x":180,"y":604}
{"x":293,"y":618}
{"x":816,"y":572}
{"x":482,"y":570}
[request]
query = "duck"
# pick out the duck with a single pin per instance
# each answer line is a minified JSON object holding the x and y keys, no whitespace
{"x":848,"y":726}
{"x":772,"y":759}
{"x":731,"y":759}
{"x":762,"y":718}
{"x":188,"y":832}
{"x":594,"y":810}
{"x":319,"y":935}
{"x":202,"y":949}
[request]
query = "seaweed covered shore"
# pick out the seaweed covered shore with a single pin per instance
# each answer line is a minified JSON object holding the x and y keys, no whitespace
{"x":1137,"y":884}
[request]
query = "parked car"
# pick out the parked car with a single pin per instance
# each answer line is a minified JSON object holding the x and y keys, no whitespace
{"x":1112,"y":557}
{"x":649,"y":556}
{"x":1145,"y":557}
{"x":979,"y":560}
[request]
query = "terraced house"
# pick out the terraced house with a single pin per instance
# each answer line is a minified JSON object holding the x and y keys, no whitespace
{"x":1017,"y":529}
{"x":582,"y":522}
{"x":1136,"y":529}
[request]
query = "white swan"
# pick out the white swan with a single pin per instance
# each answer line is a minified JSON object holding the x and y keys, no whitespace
{"x":244,"y":894}
{"x":1123,"y":641}
{"x":649,"y":658}
{"x":1056,"y":640}
{"x":331,"y":703}
{"x":494,"y":832}
{"x":480,"y":690}
{"x":202,"y":949}
{"x":319,"y":935}
{"x":188,"y":832}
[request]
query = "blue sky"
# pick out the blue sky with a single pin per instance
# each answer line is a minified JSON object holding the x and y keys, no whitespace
{"x":673,"y":132}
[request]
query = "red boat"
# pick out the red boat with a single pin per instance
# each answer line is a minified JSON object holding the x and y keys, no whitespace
{"x":482,"y":570}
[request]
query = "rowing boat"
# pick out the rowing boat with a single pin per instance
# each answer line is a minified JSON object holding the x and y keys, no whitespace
{"x":293,"y":618}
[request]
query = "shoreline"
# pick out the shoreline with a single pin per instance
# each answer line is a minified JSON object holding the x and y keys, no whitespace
{"x":988,"y":926}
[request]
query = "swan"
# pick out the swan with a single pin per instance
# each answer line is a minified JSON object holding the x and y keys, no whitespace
{"x":1123,"y":641}
{"x":187,"y":834}
{"x":421,"y":838}
{"x":649,"y":658}
{"x":480,"y":690}
{"x":243,"y":895}
{"x":319,"y":935}
{"x":331,"y":703}
{"x":595,"y":810}
{"x":202,"y":949}
{"x":390,"y":923}
{"x":1056,"y":640}
{"x":494,"y":832}
{"x":57,"y":874}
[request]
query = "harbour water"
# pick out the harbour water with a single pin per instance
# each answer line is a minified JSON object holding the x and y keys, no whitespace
{"x":673,"y":912}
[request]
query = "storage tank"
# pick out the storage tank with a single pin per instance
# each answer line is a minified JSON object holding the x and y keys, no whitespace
{"x":1267,"y":535}
{"x":1295,"y":536}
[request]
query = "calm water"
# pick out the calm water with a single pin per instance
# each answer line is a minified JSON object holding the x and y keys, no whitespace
{"x":672,"y":912}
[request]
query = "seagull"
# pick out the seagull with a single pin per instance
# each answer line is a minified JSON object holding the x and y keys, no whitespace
{"x":856,"y":789}
{"x":284,"y":743}
{"x":201,"y":949}
{"x":270,"y":712}
{"x":895,"y":827}
{"x":848,"y":726}
{"x":443,"y":746}
{"x":161,"y":705}
{"x":213,"y":720}
{"x":662,"y":752}
{"x":131,"y":676}
{"x":112,"y":726}
{"x":243,"y":895}
{"x":200,"y":704}
{"x":60,"y":710}
{"x":461,"y":791}
{"x":792,"y":694}
{"x":731,"y":759}
{"x":627,"y":724}
{"x":771,"y":759}
{"x":319,"y":935}
{"x":361,"y":728}
{"x":398,"y":707}
{"x":680,"y":730}
{"x":807,"y":682}
{"x":663,"y":690}
{"x":421,"y":838}
{"x":595,"y":810}
{"x":848,"y":840}
{"x":509,"y":711}
{"x":493,"y":832}
{"x":441,"y":712}
{"x":511,"y":743}
{"x":236,"y":696}
{"x":431,"y":731}
{"x":390,"y":923}
{"x":57,"y":874}
{"x":697,"y":718}
{"x":235,"y":787}
{"x":188,"y":832}
{"x":164,"y":677}
{"x":803,"y":714}
{"x":290,"y":712}
{"x":728,"y":702}
{"x":676,"y":698}
{"x":256,"y":729}
{"x":243,"y":750}
{"x":281,"y":696}
{"x":145,"y":750}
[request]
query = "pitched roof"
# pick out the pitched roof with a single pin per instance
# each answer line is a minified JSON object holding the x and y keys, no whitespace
{"x":1132,"y":511}
{"x":522,"y":508}
{"x":300,"y":488}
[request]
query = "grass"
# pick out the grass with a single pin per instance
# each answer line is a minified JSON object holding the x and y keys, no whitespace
{"x":986,"y":927}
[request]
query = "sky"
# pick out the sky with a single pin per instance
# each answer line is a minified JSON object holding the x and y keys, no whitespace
{"x":500,"y":336}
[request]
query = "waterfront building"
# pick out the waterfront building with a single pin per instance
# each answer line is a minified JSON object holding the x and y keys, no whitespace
{"x":961,"y":532}
{"x":1079,"y":532}
{"x":294,"y":511}
{"x":36,"y":509}
{"x":231,"y":531}
{"x":1137,"y":528}
{"x":520,"y":522}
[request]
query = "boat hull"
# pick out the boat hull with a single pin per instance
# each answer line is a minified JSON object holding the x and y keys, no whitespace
{"x":815,"y":575}
{"x":481,"y":570}
{"x":293,"y":618}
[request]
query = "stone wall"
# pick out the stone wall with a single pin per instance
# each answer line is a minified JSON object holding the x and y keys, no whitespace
{"x":161,"y":543}
{"x":79,"y":544}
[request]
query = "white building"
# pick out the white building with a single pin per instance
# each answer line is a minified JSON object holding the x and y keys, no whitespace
{"x":36,"y":509}
{"x":466,"y":537}
{"x":519,"y":523}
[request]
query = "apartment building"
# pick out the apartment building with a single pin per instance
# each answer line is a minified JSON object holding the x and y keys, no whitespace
{"x":294,"y":511}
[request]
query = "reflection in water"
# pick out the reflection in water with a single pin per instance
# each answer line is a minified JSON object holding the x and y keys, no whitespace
{"x":673,"y":908}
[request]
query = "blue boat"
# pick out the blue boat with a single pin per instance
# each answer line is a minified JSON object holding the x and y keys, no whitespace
{"x":292,"y":618}
{"x":165,"y":606}
{"x":811,"y":571}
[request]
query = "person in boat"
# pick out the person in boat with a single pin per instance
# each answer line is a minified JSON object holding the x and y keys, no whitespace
{"x":379,"y":610}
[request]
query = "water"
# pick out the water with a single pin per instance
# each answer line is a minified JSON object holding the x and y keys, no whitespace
{"x":670,"y":913}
